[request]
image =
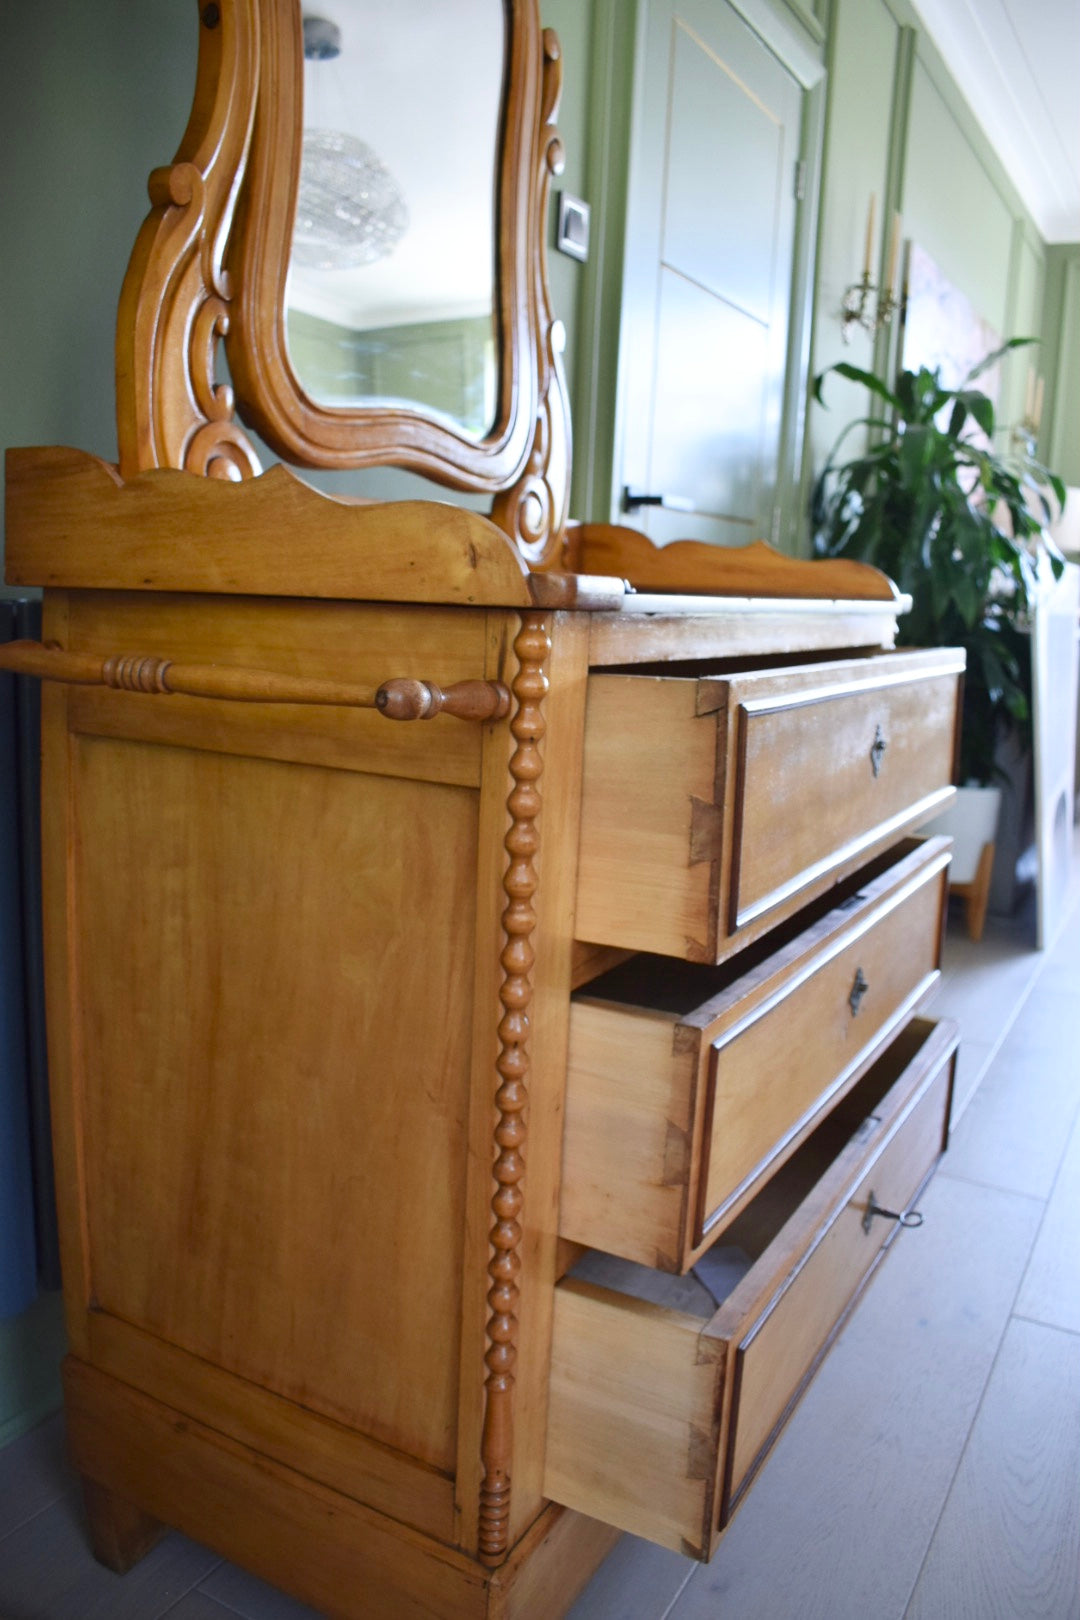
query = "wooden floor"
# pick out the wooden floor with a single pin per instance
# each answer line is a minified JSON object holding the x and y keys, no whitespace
{"x":933,"y":1470}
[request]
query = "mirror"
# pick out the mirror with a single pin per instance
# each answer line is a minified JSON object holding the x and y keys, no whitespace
{"x":440,"y":354}
{"x":391,"y":288}
{"x":488,"y":413}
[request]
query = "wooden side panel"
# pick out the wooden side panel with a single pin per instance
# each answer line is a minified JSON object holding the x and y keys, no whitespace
{"x":350,"y":1563}
{"x":646,"y":747}
{"x":275,"y":1051}
{"x":65,"y":1076}
{"x":635,"y":1413}
{"x":327,"y":640}
{"x":296,"y":1437}
{"x":73,"y":522}
{"x":629,"y":1128}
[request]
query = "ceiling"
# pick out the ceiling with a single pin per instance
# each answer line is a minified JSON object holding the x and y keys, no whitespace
{"x":1018,"y":65}
{"x":438,"y":139}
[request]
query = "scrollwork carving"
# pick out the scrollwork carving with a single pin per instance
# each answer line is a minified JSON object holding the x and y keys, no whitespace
{"x":175,"y":299}
{"x":534,"y":510}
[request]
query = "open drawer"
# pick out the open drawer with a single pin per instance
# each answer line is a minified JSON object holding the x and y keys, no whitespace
{"x":715,"y":806}
{"x":660,"y":1414}
{"x":688,"y":1086}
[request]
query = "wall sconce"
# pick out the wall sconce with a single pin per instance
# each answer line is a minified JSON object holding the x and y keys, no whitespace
{"x":865,"y":304}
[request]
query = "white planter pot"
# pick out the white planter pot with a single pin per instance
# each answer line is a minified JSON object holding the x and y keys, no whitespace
{"x":970,"y":821}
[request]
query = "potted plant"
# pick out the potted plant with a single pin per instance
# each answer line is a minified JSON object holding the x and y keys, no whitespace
{"x":959,"y":527}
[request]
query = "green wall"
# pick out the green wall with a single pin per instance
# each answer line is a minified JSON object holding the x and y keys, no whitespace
{"x":1059,"y":443}
{"x":92,"y":97}
{"x":896,"y":127}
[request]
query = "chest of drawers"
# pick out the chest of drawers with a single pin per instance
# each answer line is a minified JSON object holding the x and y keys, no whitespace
{"x":482,"y":996}
{"x":399,"y":1069}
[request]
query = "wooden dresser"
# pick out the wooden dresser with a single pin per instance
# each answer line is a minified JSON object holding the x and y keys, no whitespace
{"x":449,"y":947}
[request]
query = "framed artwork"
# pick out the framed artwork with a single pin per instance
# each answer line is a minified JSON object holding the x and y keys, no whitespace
{"x":940,"y":327}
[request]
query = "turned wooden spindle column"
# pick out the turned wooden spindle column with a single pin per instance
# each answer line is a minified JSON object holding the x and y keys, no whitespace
{"x":532,"y":647}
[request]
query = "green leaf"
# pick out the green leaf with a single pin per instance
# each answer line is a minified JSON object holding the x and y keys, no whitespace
{"x":995,"y":355}
{"x":980,"y":407}
{"x":856,"y":375}
{"x":958,"y":527}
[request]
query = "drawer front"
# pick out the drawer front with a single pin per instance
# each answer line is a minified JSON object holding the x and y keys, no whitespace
{"x":772,"y":1074}
{"x":672,"y":1122}
{"x":658,"y":1420}
{"x":779,"y":1350}
{"x":823,"y":774}
{"x":714,"y":808}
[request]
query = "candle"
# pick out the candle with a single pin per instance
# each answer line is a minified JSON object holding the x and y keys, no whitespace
{"x":894,"y":255}
{"x":869,"y":256}
{"x":1029,"y":396}
{"x":1036,"y":417}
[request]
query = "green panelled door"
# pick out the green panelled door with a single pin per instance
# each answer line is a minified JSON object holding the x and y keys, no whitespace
{"x":710,"y":254}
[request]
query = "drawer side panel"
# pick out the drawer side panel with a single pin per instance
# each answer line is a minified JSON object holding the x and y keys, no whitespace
{"x":633,"y":1429}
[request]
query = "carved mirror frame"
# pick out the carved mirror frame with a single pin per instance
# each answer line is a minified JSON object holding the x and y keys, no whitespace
{"x":210,"y":265}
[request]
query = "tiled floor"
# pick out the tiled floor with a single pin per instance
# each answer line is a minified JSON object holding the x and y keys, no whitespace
{"x":932,"y":1471}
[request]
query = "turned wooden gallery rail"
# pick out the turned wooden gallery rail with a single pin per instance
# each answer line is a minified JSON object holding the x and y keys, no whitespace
{"x":401,"y":698}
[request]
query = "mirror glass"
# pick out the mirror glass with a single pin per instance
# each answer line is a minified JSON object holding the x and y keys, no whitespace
{"x":391,"y":290}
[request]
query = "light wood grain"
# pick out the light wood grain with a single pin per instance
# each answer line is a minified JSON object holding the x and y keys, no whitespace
{"x":528,"y":725}
{"x":486,"y":1013}
{"x":331,"y":640}
{"x":712,"y":809}
{"x":631,"y":1102}
{"x":549,"y":1566}
{"x":648,"y":755}
{"x":808,"y":784}
{"x":652,"y":629}
{"x":657,"y":1420}
{"x":398,"y":698}
{"x":61,"y":994}
{"x":120,"y":1533}
{"x":348,"y":1562}
{"x":293,"y":1435}
{"x":71,"y":520}
{"x":877,"y":1439}
{"x":564,"y":706}
{"x":176,"y":300}
{"x":674,"y":1118}
{"x":753,"y":570}
{"x":976,"y":893}
{"x":528,"y":441}
{"x":1008,"y":1542}
{"x":781,"y":1341}
{"x":229,"y":1110}
{"x":634,"y":1430}
{"x":772,"y":1075}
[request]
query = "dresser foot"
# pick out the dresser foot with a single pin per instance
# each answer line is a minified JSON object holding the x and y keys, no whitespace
{"x":120,"y":1533}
